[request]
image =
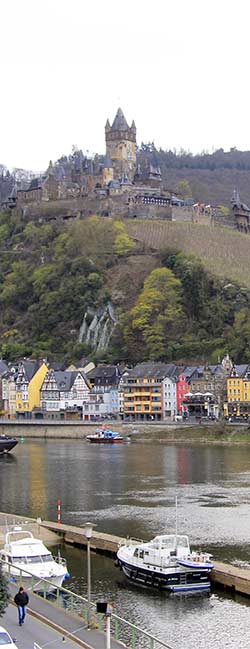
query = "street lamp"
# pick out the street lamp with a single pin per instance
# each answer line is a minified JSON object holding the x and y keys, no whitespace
{"x":88,"y":533}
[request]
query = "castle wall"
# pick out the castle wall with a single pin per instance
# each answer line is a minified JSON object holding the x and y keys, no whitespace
{"x":143,"y":211}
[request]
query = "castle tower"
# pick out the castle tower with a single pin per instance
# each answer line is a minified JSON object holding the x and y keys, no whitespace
{"x":121,"y":146}
{"x":108,"y":170}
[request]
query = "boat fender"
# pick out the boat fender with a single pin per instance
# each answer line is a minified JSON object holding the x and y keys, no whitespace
{"x":67,"y":576}
{"x":116,"y":563}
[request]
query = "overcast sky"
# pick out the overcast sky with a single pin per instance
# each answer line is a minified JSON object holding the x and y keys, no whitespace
{"x":179,"y":68}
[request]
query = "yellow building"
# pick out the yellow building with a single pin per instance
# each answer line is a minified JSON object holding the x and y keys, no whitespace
{"x":30,"y":377}
{"x":238,"y":392}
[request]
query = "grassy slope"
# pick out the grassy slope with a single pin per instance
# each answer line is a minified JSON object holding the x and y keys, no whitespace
{"x":218,"y":433}
{"x":224,"y":252}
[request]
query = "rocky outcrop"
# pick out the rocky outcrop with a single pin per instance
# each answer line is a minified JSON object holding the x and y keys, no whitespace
{"x":97,"y":327}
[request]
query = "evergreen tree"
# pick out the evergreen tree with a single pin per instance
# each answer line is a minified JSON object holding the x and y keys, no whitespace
{"x":4,"y":594}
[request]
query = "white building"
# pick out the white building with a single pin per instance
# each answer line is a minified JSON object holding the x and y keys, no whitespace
{"x":169,"y":398}
{"x":64,"y":390}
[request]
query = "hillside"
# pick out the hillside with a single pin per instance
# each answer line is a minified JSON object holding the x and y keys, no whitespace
{"x":126,"y":291}
{"x":224,"y":252}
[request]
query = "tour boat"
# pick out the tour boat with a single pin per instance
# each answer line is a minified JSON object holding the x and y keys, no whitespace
{"x":7,"y":443}
{"x":105,"y":436}
{"x":22,"y":552}
{"x":166,"y":562}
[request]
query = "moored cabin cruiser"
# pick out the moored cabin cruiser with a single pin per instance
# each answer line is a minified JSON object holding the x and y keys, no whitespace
{"x":7,"y":443}
{"x":105,"y":436}
{"x":22,"y":552}
{"x":166,"y":562}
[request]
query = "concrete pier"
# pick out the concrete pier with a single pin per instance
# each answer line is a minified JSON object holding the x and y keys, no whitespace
{"x":226,"y":575}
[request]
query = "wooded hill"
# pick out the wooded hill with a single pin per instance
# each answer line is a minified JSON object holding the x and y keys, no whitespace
{"x":179,"y":291}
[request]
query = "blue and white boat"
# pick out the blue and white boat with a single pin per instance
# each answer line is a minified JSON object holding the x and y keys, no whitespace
{"x":166,"y":562}
{"x":105,"y":436}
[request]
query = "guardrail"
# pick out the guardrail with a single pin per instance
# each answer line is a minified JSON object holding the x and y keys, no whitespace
{"x":133,"y":636}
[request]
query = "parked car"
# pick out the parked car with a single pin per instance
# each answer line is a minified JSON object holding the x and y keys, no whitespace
{"x":6,"y":641}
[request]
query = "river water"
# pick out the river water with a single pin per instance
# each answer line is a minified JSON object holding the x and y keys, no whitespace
{"x":130,"y":489}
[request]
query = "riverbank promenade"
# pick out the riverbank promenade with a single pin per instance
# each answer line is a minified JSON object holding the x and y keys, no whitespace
{"x":47,"y":624}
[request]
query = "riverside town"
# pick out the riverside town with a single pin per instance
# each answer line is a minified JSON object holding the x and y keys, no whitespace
{"x":150,"y":391}
{"x":124,"y":325}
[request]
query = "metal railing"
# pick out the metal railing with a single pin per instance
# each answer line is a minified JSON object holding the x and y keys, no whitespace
{"x":133,"y":636}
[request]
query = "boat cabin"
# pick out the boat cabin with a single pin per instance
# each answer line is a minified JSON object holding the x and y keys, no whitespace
{"x":161,"y":549}
{"x":25,"y":550}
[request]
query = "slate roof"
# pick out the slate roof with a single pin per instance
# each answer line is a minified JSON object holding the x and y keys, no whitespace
{"x":119,"y":123}
{"x":105,"y":375}
{"x":108,"y":164}
{"x":240,"y":370}
{"x":30,"y":368}
{"x":189,"y":371}
{"x":35,"y":183}
{"x":65,"y":380}
{"x":154,"y":370}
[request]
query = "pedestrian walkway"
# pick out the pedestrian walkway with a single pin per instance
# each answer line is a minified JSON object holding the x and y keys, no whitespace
{"x":70,"y":625}
{"x":33,"y":631}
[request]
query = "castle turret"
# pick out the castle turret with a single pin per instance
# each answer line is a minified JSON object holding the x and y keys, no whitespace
{"x":108,"y":170}
{"x":121,"y":145}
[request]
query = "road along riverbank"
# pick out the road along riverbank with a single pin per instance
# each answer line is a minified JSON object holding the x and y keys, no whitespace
{"x":138,"y":432}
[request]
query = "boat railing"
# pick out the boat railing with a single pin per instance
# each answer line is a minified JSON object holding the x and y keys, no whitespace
{"x":127,"y":632}
{"x":132,"y":540}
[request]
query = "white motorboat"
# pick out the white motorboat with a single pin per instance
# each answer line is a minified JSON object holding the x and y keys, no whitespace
{"x":166,"y":562}
{"x":22,"y":552}
{"x":105,"y":436}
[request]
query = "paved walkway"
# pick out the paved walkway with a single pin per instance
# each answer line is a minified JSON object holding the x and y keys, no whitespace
{"x":63,"y":622}
{"x":33,"y":631}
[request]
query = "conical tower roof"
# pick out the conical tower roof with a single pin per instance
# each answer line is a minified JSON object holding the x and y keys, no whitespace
{"x":119,"y":123}
{"x":108,"y":164}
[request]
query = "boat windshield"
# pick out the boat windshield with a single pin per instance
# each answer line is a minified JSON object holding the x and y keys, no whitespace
{"x":37,"y":559}
{"x":169,"y":542}
{"x":4,"y":638}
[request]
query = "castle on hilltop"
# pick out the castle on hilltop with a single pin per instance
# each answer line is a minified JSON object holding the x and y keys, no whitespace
{"x":114,"y":184}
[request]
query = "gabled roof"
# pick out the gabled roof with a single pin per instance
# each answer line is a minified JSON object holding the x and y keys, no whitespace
{"x":189,"y":371}
{"x":119,"y":123}
{"x":104,"y":371}
{"x":240,"y":370}
{"x":65,"y":380}
{"x":30,"y":368}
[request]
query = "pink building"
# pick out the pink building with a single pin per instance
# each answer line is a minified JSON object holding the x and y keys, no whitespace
{"x":182,"y":388}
